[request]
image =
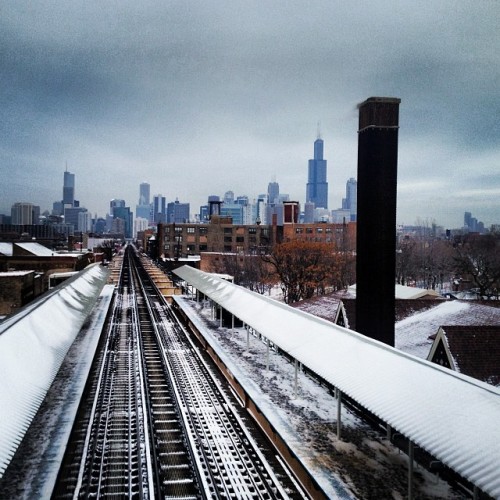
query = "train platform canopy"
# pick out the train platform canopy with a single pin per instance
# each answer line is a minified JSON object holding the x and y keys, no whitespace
{"x":452,"y":416}
{"x":33,"y":345}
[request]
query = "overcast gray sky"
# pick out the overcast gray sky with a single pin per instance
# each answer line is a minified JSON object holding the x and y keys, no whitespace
{"x":201,"y":97}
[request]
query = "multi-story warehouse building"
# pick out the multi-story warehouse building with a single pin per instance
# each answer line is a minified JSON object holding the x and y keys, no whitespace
{"x":222,"y":236}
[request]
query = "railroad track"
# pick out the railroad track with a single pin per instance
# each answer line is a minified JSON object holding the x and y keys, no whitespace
{"x":155,"y":422}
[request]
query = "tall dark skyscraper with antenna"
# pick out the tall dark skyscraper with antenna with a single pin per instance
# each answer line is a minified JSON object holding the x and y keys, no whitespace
{"x":317,"y":186}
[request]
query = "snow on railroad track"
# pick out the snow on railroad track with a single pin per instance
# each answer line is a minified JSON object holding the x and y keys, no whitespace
{"x":159,"y":425}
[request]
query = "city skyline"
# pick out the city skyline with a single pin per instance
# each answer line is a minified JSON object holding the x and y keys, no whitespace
{"x":188,"y":95}
{"x":157,"y":209}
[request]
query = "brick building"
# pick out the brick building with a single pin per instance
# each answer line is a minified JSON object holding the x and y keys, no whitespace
{"x":17,"y":288}
{"x":222,"y":236}
{"x":31,"y":256}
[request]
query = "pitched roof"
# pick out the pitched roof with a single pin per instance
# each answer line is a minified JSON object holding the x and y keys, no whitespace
{"x":475,"y":350}
{"x":6,"y":248}
{"x":36,"y":249}
{"x":412,"y":332}
{"x":327,"y":307}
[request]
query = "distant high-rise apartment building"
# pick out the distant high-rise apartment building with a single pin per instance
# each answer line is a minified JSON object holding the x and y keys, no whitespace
{"x":144,"y":190}
{"x":471,"y":224}
{"x":308,"y":212}
{"x":69,"y":189}
{"x":115,"y":203}
{"x":143,"y":208}
{"x":177,"y":212}
{"x":123,"y":221}
{"x":22,"y":214}
{"x":159,"y":208}
{"x":242,"y":200}
{"x":229,"y":198}
{"x":72,"y":216}
{"x":273,"y":192}
{"x":317,"y":186}
{"x":233,"y":210}
{"x":376,"y":218}
{"x":350,"y":202}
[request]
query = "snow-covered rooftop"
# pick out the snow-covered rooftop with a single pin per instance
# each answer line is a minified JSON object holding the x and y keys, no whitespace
{"x":413,"y":332}
{"x":33,"y":344}
{"x":405,"y":292}
{"x":452,"y":416}
{"x":6,"y":248}
{"x":14,"y":273}
{"x":36,"y":249}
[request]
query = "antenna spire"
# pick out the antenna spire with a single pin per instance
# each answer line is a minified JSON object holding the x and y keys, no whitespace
{"x":319,"y":130}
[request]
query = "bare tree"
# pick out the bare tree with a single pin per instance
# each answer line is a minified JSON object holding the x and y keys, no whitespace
{"x":478,"y":256}
{"x":249,"y":271}
{"x":302,"y":267}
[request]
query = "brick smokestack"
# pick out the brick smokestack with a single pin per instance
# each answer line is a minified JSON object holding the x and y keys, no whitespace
{"x":376,"y":222}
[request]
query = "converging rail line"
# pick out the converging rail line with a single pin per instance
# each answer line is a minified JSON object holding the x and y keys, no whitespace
{"x":154,"y":421}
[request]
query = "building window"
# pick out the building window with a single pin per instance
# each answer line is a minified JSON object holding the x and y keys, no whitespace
{"x":203,"y":248}
{"x":191,"y":248}
{"x":167,"y":247}
{"x":328,"y":230}
{"x":228,"y":239}
{"x":252,"y":230}
{"x":319,"y":229}
{"x":203,"y":230}
{"x":190,"y":230}
{"x":228,"y":230}
{"x":178,"y":229}
{"x":240,"y":239}
{"x":299,"y":230}
{"x":309,"y":230}
{"x":227,"y":248}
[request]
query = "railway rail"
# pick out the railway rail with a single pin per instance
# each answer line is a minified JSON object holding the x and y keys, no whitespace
{"x":155,"y":421}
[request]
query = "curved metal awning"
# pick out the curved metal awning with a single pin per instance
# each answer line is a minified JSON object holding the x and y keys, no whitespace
{"x":33,"y":344}
{"x":452,"y":416}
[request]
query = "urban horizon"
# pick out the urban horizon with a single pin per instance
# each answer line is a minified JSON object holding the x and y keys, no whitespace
{"x":194,"y":210}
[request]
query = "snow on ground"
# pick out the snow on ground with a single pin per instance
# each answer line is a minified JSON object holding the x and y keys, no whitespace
{"x":364,"y":464}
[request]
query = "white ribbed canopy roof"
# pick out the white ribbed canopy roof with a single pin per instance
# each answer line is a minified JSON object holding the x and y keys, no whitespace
{"x":33,"y":344}
{"x":452,"y":416}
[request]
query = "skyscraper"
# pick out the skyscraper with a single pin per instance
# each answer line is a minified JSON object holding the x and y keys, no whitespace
{"x":350,"y":202}
{"x":376,"y":221}
{"x":144,"y":189}
{"x":69,"y":189}
{"x":22,"y":213}
{"x":317,"y":186}
{"x":143,"y":208}
{"x":159,"y":208}
{"x":273,"y":192}
{"x":177,"y":212}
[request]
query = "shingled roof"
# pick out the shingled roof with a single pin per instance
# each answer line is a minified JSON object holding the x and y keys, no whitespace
{"x":471,"y":350}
